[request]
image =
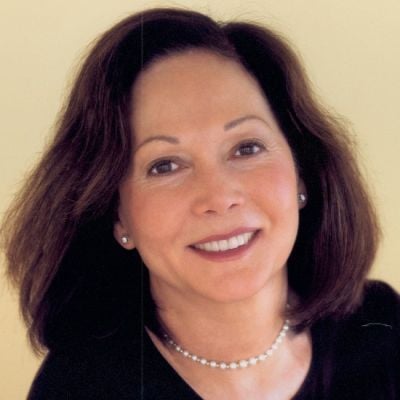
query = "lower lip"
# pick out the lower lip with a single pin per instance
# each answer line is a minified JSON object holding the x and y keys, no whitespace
{"x":227,"y":255}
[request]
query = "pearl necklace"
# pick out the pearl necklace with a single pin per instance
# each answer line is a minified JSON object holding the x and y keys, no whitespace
{"x":225,"y":365}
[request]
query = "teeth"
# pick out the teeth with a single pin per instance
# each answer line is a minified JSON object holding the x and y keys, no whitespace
{"x":229,"y":244}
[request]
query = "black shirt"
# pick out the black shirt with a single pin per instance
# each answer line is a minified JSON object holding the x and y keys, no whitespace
{"x":355,"y":358}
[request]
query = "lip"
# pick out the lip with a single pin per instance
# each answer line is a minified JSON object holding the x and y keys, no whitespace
{"x":227,"y":255}
{"x":225,"y":236}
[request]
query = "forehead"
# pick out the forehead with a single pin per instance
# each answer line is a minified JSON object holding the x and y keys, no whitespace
{"x":194,"y":87}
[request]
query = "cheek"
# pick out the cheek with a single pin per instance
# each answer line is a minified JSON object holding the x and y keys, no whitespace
{"x":152,"y":216}
{"x":275,"y":188}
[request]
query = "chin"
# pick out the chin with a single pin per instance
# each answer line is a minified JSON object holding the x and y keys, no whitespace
{"x":245,"y":286}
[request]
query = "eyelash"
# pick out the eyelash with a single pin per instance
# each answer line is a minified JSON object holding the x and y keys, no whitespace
{"x":162,"y":163}
{"x":251,"y":144}
{"x":152,"y":171}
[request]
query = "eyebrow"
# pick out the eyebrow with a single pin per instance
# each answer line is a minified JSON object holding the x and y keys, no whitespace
{"x":238,"y":121}
{"x":227,"y":127}
{"x":163,"y":138}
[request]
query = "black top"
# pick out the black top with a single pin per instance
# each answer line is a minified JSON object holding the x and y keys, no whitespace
{"x":355,"y":358}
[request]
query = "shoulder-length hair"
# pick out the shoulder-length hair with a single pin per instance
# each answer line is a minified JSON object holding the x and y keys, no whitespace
{"x":75,"y":280}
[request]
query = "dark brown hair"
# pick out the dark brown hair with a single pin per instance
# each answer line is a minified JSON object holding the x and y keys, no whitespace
{"x":75,"y":280}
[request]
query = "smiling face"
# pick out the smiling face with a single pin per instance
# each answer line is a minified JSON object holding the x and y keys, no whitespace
{"x":210,"y":201}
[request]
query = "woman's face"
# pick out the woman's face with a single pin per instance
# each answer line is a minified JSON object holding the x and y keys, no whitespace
{"x":210,"y":201}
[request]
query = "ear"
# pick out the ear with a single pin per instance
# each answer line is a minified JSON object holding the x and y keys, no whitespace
{"x":301,"y":190}
{"x":122,"y":236}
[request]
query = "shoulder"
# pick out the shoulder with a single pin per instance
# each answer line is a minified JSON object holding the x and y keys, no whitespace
{"x":381,"y":292}
{"x":96,"y":368}
{"x":379,"y":311}
{"x":359,"y":356}
{"x":374,"y":327}
{"x":380,"y":306}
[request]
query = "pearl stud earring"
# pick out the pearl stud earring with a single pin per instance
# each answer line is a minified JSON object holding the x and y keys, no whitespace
{"x":124,"y":239}
{"x":302,"y":198}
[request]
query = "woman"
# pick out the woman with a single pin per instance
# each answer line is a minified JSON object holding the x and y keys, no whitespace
{"x":200,"y":228}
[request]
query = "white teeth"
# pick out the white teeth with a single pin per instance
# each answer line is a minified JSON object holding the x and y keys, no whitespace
{"x":233,"y":243}
{"x":241,"y":240}
{"x":223,"y":245}
{"x":229,"y":244}
{"x":213,"y":246}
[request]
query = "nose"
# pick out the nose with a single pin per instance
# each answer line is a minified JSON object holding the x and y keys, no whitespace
{"x":217,"y":193}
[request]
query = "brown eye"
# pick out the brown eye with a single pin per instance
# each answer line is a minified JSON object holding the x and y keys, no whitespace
{"x":248,"y":149}
{"x":163,"y":167}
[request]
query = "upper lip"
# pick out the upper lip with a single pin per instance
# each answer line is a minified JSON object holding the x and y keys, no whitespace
{"x":225,"y":236}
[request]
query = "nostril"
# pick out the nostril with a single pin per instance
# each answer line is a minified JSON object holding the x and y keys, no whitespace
{"x":218,"y":196}
{"x":221,"y":207}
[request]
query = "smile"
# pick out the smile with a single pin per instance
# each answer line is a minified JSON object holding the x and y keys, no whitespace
{"x":228,"y":244}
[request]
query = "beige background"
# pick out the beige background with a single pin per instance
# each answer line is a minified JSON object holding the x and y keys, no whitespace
{"x":351,"y":49}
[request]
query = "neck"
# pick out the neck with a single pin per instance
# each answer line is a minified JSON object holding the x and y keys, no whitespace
{"x":238,"y":329}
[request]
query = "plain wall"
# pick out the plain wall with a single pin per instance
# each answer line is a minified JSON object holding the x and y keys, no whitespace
{"x":350,"y":49}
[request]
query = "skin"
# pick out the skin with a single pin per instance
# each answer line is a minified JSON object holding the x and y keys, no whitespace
{"x":209,"y":158}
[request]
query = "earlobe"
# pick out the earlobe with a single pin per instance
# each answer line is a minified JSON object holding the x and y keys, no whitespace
{"x":122,"y":236}
{"x":301,"y":194}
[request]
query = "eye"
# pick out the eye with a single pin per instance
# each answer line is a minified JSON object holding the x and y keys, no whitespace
{"x":162,"y":167}
{"x":248,"y":148}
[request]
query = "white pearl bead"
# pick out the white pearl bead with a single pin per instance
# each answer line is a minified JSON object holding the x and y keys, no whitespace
{"x":253,"y":361}
{"x":233,"y":365}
